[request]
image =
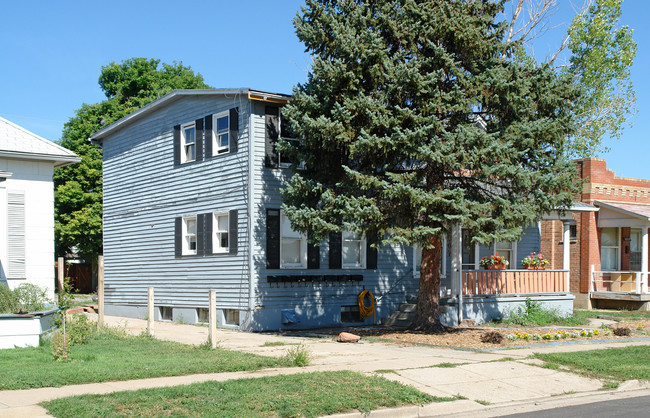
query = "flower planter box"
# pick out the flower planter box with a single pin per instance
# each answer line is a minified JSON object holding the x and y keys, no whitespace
{"x":535,"y":267}
{"x":24,"y":330}
{"x":496,"y":267}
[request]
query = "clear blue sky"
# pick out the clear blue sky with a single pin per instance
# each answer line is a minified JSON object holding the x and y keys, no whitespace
{"x":52,"y":53}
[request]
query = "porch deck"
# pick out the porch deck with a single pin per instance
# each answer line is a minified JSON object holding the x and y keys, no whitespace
{"x":619,"y":285}
{"x":514,"y":282}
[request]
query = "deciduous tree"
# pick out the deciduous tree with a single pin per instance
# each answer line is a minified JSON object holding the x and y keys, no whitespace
{"x":78,"y":188}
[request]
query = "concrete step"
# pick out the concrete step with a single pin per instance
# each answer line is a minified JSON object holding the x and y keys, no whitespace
{"x":408,"y":307}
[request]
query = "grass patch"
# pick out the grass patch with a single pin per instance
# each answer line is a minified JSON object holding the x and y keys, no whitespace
{"x":614,"y":314}
{"x":110,"y":356}
{"x":276,"y":343}
{"x":535,"y":314}
{"x":307,"y":394}
{"x":448,"y":365}
{"x":485,"y":403}
{"x":617,"y":364}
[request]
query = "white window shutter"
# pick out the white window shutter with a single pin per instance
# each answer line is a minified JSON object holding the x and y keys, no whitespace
{"x":16,"y":235}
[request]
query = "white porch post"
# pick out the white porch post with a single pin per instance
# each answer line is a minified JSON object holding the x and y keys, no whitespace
{"x":644,"y":259}
{"x":566,"y":255}
{"x":457,"y":267}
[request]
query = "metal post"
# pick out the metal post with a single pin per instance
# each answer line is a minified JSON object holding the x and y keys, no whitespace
{"x":150,"y":317}
{"x":100,"y":291}
{"x":212,"y":312}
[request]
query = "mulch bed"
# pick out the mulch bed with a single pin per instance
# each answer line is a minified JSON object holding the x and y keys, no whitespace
{"x":471,"y":337}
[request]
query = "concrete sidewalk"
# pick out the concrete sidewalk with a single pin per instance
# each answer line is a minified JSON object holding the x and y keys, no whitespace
{"x":490,"y":380}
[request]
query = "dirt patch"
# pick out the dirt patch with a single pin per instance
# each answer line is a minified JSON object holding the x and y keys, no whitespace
{"x":471,"y":338}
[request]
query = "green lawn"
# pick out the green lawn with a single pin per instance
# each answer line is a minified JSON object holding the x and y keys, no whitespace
{"x":307,"y":394}
{"x":613,"y":363}
{"x":114,"y":357}
{"x":618,"y":314}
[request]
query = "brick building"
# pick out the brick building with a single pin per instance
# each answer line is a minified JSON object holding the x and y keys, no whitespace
{"x":609,"y":247}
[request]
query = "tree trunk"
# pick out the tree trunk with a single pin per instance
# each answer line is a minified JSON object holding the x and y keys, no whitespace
{"x":427,"y":316}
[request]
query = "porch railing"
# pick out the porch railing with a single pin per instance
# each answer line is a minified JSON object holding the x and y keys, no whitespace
{"x":505,"y":282}
{"x":618,"y":281}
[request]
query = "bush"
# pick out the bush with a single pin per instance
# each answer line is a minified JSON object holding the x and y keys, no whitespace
{"x":79,"y":329}
{"x":31,"y":298}
{"x":25,"y":298}
{"x":492,"y":337}
{"x":8,"y":302}
{"x":622,"y":332}
{"x":60,"y":346}
{"x":535,"y":314}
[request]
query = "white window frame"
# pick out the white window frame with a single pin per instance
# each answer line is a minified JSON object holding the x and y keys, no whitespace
{"x":513,"y":252}
{"x":302,"y":241}
{"x":184,"y":145}
{"x":216,"y":147}
{"x":186,"y":236}
{"x":416,"y":266}
{"x":217,"y":233}
{"x":361,"y":239}
{"x":609,"y":247}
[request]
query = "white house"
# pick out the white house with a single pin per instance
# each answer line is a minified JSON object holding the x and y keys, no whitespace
{"x":27,"y":163}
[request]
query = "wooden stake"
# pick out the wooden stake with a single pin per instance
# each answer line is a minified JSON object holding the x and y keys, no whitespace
{"x":60,"y":272}
{"x":151,"y":314}
{"x":213,"y":318}
{"x":100,"y":291}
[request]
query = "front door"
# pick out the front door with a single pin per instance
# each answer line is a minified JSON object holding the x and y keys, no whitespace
{"x":635,"y":249}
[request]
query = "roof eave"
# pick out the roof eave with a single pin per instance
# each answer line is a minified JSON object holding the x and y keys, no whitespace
{"x":622,"y":211}
{"x":58,"y":160}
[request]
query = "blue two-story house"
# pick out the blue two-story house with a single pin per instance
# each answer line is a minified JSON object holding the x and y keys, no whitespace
{"x":192,"y":203}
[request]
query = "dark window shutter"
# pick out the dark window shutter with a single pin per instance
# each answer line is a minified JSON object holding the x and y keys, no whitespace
{"x":198,"y":125}
{"x":371,"y":256}
{"x":233,"y":232}
{"x":273,"y":238}
{"x":207,"y":127}
{"x":207,"y":232}
{"x":200,"y":235}
{"x":178,"y":236}
{"x":177,"y":144}
{"x":313,"y":256}
{"x":234,"y":129}
{"x":272,"y":133}
{"x":335,"y":250}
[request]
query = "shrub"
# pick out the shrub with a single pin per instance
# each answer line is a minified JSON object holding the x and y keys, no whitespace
{"x":60,"y":346}
{"x":622,"y":331}
{"x":31,"y":298}
{"x":79,"y":329}
{"x":492,"y":337}
{"x":8,"y":302}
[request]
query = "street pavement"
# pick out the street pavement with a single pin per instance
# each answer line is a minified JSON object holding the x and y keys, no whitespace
{"x":494,"y":383}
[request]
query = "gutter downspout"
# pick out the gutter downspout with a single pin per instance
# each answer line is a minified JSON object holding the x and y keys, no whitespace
{"x":251,"y":206}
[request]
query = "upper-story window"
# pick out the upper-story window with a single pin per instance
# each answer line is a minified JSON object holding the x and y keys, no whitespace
{"x":293,"y":246}
{"x":221,"y":133}
{"x":188,"y":142}
{"x":220,"y":228}
{"x":189,"y":235}
{"x":353,"y":250}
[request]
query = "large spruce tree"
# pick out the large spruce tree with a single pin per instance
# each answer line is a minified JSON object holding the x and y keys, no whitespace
{"x":416,"y":115}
